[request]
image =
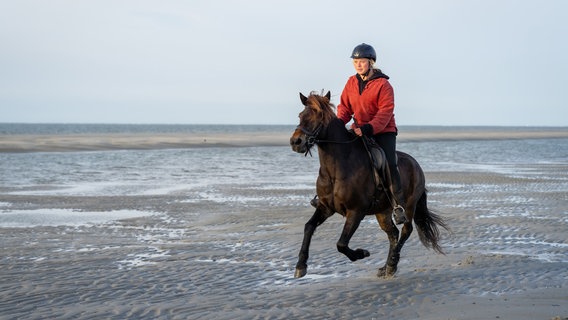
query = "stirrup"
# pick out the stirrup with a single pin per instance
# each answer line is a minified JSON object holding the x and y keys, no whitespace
{"x":314,"y":202}
{"x":399,"y":214}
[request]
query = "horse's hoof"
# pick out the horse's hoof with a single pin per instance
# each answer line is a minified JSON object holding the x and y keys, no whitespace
{"x":382,"y":272}
{"x":362,"y":253}
{"x":300,"y":272}
{"x":386,"y":272}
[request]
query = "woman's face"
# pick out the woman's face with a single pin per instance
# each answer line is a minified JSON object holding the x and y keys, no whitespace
{"x":361,"y":65}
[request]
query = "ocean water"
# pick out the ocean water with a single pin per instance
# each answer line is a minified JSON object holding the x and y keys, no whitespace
{"x":154,"y":172}
{"x":277,"y":176}
{"x":486,"y":155}
{"x":193,"y":170}
{"x":55,"y":128}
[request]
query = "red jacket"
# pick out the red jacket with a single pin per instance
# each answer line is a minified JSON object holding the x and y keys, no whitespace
{"x":374,"y":106}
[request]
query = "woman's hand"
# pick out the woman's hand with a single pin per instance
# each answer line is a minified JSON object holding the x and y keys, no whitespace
{"x":365,"y":130}
{"x":356,"y":129}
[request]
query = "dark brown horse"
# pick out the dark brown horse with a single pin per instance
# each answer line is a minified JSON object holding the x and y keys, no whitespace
{"x":346,"y":185}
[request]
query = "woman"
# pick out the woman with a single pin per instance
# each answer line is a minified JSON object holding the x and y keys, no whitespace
{"x":368,"y":98}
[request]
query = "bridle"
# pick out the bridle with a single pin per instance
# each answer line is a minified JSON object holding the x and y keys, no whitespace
{"x":312,"y":137}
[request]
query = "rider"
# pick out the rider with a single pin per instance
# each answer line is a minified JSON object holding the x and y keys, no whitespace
{"x":368,"y":98}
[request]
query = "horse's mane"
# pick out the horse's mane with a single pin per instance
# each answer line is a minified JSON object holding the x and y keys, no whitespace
{"x":322,"y":105}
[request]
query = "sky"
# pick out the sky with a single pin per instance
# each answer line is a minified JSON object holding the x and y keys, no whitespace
{"x":451,"y":62}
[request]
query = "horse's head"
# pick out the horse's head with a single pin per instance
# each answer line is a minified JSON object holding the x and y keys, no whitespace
{"x":318,"y":112}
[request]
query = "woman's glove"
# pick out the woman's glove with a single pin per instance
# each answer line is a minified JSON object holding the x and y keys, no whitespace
{"x":367,"y":130}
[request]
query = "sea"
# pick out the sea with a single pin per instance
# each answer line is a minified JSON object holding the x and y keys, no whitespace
{"x":132,"y":172}
{"x":162,"y":171}
{"x":182,"y":231}
{"x":212,"y":174}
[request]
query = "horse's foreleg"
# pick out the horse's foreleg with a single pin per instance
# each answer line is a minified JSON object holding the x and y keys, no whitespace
{"x":351,"y":224}
{"x":391,"y":265}
{"x":302,"y":266}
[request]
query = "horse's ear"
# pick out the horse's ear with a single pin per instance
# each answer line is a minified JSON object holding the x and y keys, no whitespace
{"x":328,"y":95}
{"x":303,"y":98}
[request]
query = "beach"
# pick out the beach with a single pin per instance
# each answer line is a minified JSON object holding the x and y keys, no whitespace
{"x":226,"y":248}
{"x":101,"y":141}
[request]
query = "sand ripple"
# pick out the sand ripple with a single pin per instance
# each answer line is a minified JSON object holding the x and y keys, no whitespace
{"x":506,"y":258}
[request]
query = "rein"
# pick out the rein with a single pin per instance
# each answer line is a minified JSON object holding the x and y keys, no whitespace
{"x":313,"y":140}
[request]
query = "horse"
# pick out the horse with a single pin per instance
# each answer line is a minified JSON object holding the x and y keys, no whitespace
{"x":346,"y":185}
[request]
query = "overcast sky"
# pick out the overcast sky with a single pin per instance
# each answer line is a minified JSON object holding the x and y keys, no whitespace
{"x":451,"y":62}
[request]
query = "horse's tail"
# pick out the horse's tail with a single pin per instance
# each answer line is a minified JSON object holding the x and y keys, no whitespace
{"x":427,"y":223}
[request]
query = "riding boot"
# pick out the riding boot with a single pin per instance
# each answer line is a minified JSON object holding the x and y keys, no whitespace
{"x":314,"y":202}
{"x":399,"y":203}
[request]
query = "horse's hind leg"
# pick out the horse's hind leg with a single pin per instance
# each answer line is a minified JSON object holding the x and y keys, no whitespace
{"x":391,"y":265}
{"x":317,"y":218}
{"x":406,"y":229}
{"x":352,"y":221}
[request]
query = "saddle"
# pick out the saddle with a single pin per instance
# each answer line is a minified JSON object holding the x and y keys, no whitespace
{"x":379,"y":161}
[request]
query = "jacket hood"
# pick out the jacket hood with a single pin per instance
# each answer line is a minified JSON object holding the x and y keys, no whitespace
{"x":378,"y":74}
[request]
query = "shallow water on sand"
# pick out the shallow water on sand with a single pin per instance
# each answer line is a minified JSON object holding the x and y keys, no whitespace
{"x":275,"y":176}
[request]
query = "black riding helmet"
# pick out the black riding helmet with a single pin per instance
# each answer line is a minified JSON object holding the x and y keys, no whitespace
{"x":364,"y":51}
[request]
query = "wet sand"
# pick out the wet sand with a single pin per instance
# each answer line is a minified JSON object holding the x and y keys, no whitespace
{"x":506,"y":258}
{"x":86,"y":142}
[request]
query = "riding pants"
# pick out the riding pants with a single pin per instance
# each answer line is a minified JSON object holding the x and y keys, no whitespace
{"x":387,"y":141}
